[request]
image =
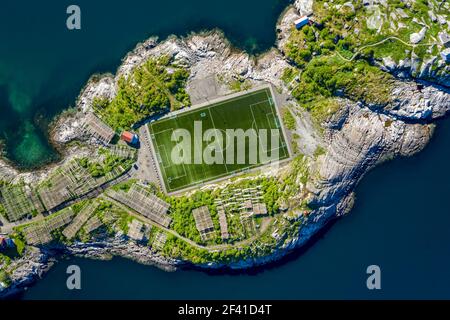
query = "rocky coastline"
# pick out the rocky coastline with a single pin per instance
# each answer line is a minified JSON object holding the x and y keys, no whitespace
{"x":357,"y":138}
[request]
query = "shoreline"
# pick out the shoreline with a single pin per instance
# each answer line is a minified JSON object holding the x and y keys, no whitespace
{"x":61,"y":150}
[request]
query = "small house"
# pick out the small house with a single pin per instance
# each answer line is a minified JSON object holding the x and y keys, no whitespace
{"x":301,"y":22}
{"x":130,"y":138}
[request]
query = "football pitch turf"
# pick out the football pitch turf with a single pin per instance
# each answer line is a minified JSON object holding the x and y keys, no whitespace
{"x":255,"y":110}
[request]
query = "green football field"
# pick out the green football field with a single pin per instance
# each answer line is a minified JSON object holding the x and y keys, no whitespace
{"x":255,"y":111}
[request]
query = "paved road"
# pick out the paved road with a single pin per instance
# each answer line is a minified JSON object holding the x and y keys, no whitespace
{"x":146,"y":162}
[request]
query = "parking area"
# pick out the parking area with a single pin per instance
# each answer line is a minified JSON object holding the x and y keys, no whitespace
{"x":146,"y":166}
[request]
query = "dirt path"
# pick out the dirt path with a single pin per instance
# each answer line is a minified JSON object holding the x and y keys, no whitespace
{"x":358,"y":51}
{"x":211,"y":248}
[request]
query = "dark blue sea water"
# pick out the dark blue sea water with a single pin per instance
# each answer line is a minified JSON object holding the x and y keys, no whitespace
{"x":401,"y":220}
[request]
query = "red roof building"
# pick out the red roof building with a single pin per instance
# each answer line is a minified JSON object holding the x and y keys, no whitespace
{"x":129,"y":137}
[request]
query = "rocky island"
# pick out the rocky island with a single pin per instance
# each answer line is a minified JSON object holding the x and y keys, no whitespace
{"x":356,"y":83}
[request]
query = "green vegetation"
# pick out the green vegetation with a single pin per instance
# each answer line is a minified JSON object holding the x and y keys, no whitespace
{"x":289,"y":75}
{"x":319,"y":151}
{"x":4,"y":278}
{"x":177,"y":248}
{"x":352,"y":27}
{"x":240,"y":84}
{"x":294,"y":142}
{"x":299,"y":170}
{"x":324,"y":109}
{"x":107,"y":165}
{"x":388,"y":123}
{"x":325,"y":77}
{"x":181,"y":212}
{"x":5,"y":260}
{"x":339,"y":32}
{"x":124,"y":186}
{"x":156,"y":86}
{"x":288,"y":119}
{"x":124,"y":219}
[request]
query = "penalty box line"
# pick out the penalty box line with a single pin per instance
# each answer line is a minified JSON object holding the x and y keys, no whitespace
{"x":215,"y":128}
{"x":268,"y":122}
{"x":162,"y":165}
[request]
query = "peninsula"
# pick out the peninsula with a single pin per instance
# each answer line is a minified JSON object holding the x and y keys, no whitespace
{"x":196,"y":154}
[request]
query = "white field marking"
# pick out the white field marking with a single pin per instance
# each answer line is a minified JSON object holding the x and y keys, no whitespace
{"x":276,"y":127}
{"x":213,"y":105}
{"x":228,"y":173}
{"x":170,"y":179}
{"x":277,"y":124}
{"x":223,"y":150}
{"x":257,"y":128}
{"x":163,"y":148}
{"x":160,"y":161}
{"x":162,"y":131}
{"x":272,"y":117}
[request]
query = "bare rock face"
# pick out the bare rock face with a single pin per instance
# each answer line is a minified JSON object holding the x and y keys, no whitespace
{"x":358,"y":138}
{"x":366,"y":139}
{"x":205,"y":55}
{"x":305,"y":7}
{"x":67,"y":128}
{"x":96,"y":88}
{"x":413,"y":101}
{"x":285,"y":26}
{"x":418,"y":36}
{"x":121,"y":246}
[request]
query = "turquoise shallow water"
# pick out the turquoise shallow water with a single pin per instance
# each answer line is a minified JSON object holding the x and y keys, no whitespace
{"x":43,"y":65}
{"x":401,"y":218}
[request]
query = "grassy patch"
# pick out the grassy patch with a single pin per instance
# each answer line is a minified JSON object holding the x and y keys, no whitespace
{"x":239,"y":85}
{"x":289,"y":75}
{"x":319,"y":151}
{"x":288,"y":119}
{"x":153,"y":87}
{"x":323,"y":109}
{"x":327,"y":77}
